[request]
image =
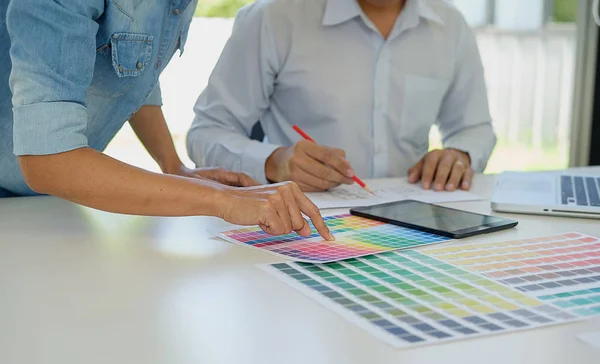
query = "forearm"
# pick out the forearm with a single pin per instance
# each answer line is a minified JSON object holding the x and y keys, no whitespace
{"x":150,"y":126}
{"x":213,"y":145}
{"x":93,"y":179}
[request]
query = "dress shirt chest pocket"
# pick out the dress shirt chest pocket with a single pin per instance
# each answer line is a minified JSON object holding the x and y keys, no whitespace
{"x":130,"y":53}
{"x":423,"y":98}
{"x":119,"y":63}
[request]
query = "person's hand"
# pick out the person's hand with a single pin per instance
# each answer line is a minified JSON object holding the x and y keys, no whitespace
{"x":277,"y":209}
{"x":446,"y":169}
{"x":313,"y":167}
{"x":222,"y":176}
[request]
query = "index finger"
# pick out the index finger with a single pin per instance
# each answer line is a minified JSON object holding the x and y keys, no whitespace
{"x":311,"y":210}
{"x":414,"y":172}
{"x":331,"y":158}
{"x":429,"y":167}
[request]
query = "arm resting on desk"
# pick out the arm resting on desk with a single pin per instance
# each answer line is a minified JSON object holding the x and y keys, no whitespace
{"x":90,"y":178}
{"x":93,"y":179}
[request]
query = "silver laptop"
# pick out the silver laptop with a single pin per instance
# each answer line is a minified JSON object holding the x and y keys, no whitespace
{"x":548,"y":193}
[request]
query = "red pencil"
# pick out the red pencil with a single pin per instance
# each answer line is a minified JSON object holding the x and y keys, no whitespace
{"x":307,"y":137}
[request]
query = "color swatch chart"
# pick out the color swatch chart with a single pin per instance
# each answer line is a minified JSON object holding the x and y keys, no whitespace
{"x":441,"y":294}
{"x":563,"y":270}
{"x":355,"y":237}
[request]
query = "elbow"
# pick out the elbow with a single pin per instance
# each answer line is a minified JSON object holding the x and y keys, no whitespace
{"x":191,"y":146}
{"x":197,"y":140}
{"x":35,"y":178}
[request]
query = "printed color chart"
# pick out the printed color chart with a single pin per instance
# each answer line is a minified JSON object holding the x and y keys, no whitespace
{"x":563,"y":270}
{"x":355,"y":237}
{"x":450,"y":293}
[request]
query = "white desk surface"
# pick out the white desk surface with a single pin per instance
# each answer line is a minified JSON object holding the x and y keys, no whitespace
{"x":83,"y":286}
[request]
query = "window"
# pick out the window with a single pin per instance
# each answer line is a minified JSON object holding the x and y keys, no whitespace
{"x":528,"y":50}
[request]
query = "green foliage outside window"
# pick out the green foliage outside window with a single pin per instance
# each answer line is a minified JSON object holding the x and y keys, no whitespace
{"x":219,"y":8}
{"x":565,"y":11}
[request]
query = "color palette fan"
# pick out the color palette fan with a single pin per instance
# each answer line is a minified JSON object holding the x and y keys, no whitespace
{"x":355,"y":237}
{"x":450,"y":293}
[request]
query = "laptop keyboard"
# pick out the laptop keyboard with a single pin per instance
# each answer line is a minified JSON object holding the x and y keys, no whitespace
{"x":584,"y":191}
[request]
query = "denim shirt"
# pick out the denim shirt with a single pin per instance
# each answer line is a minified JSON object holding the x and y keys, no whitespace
{"x":78,"y":70}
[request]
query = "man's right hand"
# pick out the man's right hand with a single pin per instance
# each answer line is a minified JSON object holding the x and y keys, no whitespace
{"x":277,"y":209}
{"x":313,"y":167}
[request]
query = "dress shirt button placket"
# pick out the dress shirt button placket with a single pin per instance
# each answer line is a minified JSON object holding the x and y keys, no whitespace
{"x":380,"y":102}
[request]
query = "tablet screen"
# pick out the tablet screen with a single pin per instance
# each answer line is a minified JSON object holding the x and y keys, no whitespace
{"x":431,"y":216}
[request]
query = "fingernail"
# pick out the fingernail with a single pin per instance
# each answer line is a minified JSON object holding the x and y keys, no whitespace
{"x":350,"y":173}
{"x":450,"y":186}
{"x":439,"y":187}
{"x":331,"y":237}
{"x":465,"y":184}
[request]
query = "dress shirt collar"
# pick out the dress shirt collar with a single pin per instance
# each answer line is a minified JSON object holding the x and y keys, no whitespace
{"x":340,"y":11}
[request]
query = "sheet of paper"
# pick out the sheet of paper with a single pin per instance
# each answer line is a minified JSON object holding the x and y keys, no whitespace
{"x":355,"y":237}
{"x":385,"y":191}
{"x":453,"y":292}
{"x":591,"y":338}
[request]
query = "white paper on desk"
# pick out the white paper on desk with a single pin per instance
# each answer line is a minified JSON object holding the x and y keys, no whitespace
{"x":385,"y":191}
{"x":591,"y":338}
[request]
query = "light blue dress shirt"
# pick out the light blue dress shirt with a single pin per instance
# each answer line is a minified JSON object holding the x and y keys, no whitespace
{"x":323,"y":65}
{"x":78,"y":70}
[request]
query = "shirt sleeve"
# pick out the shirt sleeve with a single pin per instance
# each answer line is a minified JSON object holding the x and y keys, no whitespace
{"x":155,"y":97}
{"x":53,"y":46}
{"x":237,"y":95}
{"x":464,"y":120}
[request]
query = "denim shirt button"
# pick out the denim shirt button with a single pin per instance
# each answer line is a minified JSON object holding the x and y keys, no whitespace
{"x":176,"y":12}
{"x":139,"y":65}
{"x":120,"y":68}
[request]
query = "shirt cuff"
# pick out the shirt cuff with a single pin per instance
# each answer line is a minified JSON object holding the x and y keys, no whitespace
{"x":155,"y":97}
{"x":49,"y":128}
{"x":254,"y":158}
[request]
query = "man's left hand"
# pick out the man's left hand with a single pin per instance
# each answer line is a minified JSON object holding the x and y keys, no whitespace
{"x":444,"y":170}
{"x":222,"y":176}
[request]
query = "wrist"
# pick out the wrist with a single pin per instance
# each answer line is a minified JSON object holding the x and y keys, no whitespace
{"x":464,"y":154}
{"x":209,"y":198}
{"x":172,"y":166}
{"x":223,"y":201}
{"x":272,"y":170}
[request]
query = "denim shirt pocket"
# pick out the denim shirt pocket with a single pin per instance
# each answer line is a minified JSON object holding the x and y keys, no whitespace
{"x":119,"y":63}
{"x":131,"y":53}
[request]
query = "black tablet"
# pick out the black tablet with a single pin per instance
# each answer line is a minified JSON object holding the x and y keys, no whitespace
{"x":434,"y":219}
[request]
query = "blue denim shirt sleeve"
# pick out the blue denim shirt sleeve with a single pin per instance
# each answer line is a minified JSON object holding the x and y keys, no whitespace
{"x":52,"y":67}
{"x":155,"y":98}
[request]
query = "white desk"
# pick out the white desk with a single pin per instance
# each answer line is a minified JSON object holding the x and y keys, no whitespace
{"x":82,"y":286}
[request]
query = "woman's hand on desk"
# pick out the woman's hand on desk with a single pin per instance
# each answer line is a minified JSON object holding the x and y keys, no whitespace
{"x":443,"y":170}
{"x":277,"y":209}
{"x":219,"y":175}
